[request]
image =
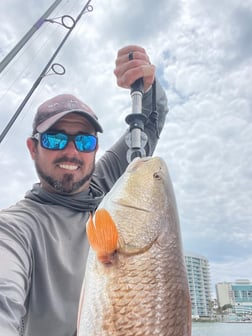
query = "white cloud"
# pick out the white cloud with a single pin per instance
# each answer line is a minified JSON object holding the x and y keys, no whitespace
{"x":202,"y":51}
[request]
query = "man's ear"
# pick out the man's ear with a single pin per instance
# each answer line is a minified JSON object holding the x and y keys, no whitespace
{"x":32,"y":147}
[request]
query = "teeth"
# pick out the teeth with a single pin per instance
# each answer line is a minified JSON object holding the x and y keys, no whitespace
{"x":69,"y":167}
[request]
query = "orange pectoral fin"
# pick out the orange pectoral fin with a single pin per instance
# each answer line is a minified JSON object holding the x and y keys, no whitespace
{"x":102,"y":234}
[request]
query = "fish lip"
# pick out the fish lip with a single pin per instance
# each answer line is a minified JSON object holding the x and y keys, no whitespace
{"x":131,"y":206}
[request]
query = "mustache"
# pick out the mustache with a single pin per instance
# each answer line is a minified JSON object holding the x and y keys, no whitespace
{"x":70,"y":160}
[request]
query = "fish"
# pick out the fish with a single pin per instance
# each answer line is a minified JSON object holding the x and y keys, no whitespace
{"x":135,"y":281}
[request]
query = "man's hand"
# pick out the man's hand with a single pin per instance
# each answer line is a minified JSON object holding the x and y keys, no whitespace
{"x":132,"y":62}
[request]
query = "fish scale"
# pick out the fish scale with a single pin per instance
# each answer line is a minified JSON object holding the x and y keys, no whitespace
{"x":142,"y":288}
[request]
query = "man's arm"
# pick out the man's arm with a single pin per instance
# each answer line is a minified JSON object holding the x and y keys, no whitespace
{"x":14,"y":276}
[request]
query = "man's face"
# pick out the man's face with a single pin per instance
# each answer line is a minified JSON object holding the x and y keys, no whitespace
{"x":66,"y":171}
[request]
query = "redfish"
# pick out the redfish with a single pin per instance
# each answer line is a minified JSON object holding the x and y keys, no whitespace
{"x":135,"y":282}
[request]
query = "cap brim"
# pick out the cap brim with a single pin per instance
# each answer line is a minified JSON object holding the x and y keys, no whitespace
{"x":48,"y":123}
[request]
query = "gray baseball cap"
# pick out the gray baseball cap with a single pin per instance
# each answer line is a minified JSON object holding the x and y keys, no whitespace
{"x":57,"y":107}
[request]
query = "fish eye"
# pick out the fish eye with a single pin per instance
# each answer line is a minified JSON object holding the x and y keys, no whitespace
{"x":157,"y":176}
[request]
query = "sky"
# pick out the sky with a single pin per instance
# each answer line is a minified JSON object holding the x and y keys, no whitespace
{"x":202,"y":51}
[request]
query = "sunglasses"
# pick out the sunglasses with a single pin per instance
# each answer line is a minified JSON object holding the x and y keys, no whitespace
{"x":59,"y":140}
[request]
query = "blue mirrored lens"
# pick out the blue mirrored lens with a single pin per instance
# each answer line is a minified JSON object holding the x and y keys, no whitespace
{"x":54,"y":141}
{"x":85,"y":142}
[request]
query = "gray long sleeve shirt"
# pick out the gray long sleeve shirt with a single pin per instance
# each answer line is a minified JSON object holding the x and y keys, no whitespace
{"x":43,"y":248}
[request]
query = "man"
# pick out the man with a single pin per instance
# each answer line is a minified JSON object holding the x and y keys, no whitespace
{"x":43,"y":245}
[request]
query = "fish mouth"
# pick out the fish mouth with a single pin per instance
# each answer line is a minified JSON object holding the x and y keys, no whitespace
{"x":129,"y":248}
{"x":131,"y":206}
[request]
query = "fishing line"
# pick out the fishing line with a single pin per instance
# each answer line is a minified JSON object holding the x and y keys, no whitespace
{"x":57,"y":69}
{"x":86,"y":8}
{"x":8,"y":58}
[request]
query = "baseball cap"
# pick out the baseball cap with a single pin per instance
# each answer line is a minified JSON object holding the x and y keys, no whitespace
{"x":57,"y":107}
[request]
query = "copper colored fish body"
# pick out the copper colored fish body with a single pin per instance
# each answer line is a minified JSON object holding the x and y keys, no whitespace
{"x":135,"y":282}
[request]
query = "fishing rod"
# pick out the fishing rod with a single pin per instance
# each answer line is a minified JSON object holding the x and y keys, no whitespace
{"x":9,"y":57}
{"x":136,"y":139}
{"x":49,"y":65}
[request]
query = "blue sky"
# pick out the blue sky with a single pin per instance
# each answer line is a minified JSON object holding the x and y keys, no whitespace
{"x":203,"y":54}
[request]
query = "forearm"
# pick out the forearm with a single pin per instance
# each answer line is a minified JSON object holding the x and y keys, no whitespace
{"x":154,"y":123}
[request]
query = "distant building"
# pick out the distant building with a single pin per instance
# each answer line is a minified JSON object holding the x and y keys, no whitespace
{"x":224,"y":293}
{"x":237,"y":294}
{"x":198,"y":275}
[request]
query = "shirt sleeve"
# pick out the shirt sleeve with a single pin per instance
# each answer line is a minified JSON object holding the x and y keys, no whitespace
{"x":114,"y":162}
{"x":15,"y":266}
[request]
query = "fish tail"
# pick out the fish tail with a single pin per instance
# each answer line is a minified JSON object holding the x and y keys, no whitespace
{"x":102,"y":234}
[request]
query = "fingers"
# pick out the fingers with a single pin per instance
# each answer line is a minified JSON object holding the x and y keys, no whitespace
{"x":137,"y":52}
{"x":127,"y":71}
{"x":124,"y":58}
{"x":130,"y":48}
{"x":130,"y":75}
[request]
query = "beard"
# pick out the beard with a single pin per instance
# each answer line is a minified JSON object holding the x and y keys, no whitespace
{"x":66,"y":184}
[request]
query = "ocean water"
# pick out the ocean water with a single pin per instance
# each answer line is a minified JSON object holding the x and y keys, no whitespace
{"x":221,"y":329}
